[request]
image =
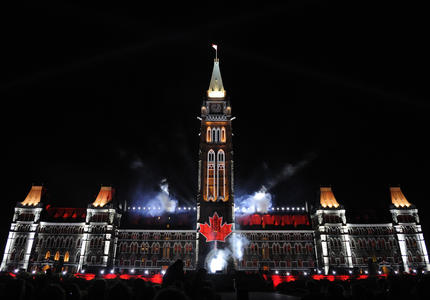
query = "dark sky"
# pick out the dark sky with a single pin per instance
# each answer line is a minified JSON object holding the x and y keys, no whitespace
{"x":110,"y":94}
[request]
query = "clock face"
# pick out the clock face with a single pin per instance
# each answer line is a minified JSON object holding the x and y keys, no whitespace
{"x":216,"y":107}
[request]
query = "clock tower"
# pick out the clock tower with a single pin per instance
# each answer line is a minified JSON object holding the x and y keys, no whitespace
{"x":215,"y":182}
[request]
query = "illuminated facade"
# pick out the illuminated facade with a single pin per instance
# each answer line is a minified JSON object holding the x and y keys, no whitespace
{"x":108,"y":236}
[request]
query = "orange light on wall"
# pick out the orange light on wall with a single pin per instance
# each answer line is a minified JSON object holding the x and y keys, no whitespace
{"x":223,"y":136}
{"x":208,"y":135}
{"x":57,"y":256}
{"x":48,"y":255}
{"x":66,"y":256}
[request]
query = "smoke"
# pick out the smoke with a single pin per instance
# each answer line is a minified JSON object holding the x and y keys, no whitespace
{"x":260,"y":201}
{"x":237,"y":243}
{"x":136,"y":163}
{"x":159,"y":203}
{"x":290,"y":170}
{"x":217,"y":259}
{"x":167,"y":203}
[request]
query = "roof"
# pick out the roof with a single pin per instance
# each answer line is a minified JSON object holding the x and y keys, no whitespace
{"x":34,"y":196}
{"x":216,"y":89}
{"x":278,"y":221}
{"x":104,"y":197}
{"x":368,"y":216}
{"x":397,"y":198}
{"x":64,"y":214}
{"x":175,"y":221}
{"x":327,"y":198}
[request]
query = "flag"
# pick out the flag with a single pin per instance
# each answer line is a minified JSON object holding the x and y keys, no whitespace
{"x":215,"y":47}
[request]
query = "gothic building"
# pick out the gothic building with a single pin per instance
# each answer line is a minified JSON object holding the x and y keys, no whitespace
{"x":109,"y":237}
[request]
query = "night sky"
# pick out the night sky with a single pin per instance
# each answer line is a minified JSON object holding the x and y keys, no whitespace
{"x":323,"y":94}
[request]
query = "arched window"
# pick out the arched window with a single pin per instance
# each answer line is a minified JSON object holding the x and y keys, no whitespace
{"x":188,"y":248}
{"x":21,"y":255}
{"x":310,"y":249}
{"x":57,"y":255}
{"x":208,"y":135}
{"x":284,"y":248}
{"x":275,"y":248}
{"x":213,"y":135}
{"x":265,"y":251}
{"x":210,"y":185}
{"x":221,"y":183}
{"x":66,"y":256}
{"x":144,"y":248}
{"x":177,"y":248}
{"x":134,"y":247}
{"x":218,"y":135}
{"x":298,"y":248}
{"x":223,"y":135}
{"x":13,"y":255}
{"x":166,"y":250}
{"x":155,"y":249}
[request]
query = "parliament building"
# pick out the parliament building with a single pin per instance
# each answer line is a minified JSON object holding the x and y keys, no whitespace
{"x":108,"y":236}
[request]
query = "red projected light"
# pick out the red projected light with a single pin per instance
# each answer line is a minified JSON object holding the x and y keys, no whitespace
{"x":215,"y":231}
{"x":85,"y":276}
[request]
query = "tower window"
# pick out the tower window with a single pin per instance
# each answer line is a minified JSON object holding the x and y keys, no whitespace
{"x":221,"y":182}
{"x":208,"y":135}
{"x":210,"y":184}
{"x":223,"y":137}
{"x":214,"y":135}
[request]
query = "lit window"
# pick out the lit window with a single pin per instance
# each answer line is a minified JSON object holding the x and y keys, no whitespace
{"x":208,"y":135}
{"x":210,"y":184}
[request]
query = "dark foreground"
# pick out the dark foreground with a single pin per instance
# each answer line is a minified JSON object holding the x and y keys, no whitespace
{"x":177,"y":285}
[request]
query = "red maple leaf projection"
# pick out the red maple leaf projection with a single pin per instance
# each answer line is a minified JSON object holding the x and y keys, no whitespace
{"x":215,"y":231}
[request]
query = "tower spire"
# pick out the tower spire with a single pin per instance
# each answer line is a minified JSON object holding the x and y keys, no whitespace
{"x":216,"y":88}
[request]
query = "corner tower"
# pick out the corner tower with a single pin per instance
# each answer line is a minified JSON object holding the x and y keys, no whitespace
{"x":215,"y":178}
{"x":409,"y":233}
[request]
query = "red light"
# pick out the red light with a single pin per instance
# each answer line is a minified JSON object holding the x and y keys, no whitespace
{"x":85,"y":276}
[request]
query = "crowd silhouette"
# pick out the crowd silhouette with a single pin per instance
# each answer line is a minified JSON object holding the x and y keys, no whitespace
{"x":198,"y":285}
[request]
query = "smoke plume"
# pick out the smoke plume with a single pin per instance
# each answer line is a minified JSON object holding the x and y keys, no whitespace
{"x":290,"y":170}
{"x":237,"y":243}
{"x":260,"y":201}
{"x":217,"y":259}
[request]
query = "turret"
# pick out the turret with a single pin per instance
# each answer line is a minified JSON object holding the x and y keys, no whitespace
{"x":23,"y":229}
{"x":101,"y":230}
{"x":408,"y":231}
{"x":331,"y":232}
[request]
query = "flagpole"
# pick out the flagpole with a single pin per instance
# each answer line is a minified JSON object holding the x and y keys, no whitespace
{"x":216,"y":51}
